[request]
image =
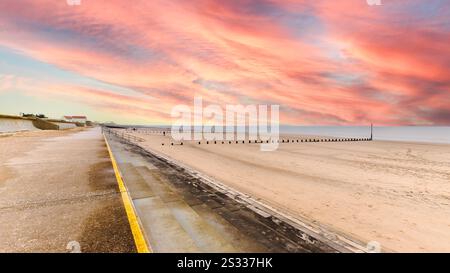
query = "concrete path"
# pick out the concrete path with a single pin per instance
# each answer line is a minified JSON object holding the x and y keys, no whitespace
{"x":171,"y":221}
{"x":58,"y":187}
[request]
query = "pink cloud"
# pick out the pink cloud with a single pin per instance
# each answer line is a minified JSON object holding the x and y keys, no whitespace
{"x":354,"y":64}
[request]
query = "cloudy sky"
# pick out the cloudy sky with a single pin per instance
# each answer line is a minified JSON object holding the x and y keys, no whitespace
{"x":323,"y":62}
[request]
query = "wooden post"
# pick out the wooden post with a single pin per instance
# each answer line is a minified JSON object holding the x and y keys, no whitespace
{"x":371,"y":131}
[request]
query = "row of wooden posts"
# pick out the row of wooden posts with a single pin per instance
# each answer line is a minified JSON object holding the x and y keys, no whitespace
{"x":130,"y":138}
{"x":146,"y":132}
{"x":279,"y":141}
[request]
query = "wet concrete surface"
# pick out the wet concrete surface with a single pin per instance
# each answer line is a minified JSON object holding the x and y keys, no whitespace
{"x":180,"y":213}
{"x":61,"y":188}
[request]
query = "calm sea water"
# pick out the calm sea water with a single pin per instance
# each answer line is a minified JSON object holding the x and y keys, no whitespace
{"x":433,"y":134}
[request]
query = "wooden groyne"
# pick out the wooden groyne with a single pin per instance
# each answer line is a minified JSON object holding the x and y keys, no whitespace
{"x":281,"y":141}
{"x":165,"y":132}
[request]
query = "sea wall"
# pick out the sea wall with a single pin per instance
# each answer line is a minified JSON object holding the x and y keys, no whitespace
{"x":63,"y":125}
{"x":10,"y":124}
{"x":45,"y":125}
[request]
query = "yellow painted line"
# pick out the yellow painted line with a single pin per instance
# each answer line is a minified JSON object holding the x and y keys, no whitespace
{"x":138,"y":235}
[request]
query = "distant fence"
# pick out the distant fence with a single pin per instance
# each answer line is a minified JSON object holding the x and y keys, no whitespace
{"x":123,"y":134}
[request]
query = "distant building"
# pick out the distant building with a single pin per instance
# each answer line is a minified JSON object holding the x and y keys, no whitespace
{"x":79,"y":119}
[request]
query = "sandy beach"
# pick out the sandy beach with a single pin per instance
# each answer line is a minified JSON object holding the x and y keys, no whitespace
{"x":395,"y":193}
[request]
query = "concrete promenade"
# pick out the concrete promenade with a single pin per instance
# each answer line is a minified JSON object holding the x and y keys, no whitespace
{"x":57,"y":187}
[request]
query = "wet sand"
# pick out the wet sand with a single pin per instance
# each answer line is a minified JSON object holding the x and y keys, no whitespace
{"x":57,"y":187}
{"x":395,"y":193}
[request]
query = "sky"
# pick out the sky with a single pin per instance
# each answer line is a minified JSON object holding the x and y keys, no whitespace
{"x":324,"y":62}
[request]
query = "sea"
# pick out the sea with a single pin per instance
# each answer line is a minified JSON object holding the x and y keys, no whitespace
{"x":427,"y":134}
